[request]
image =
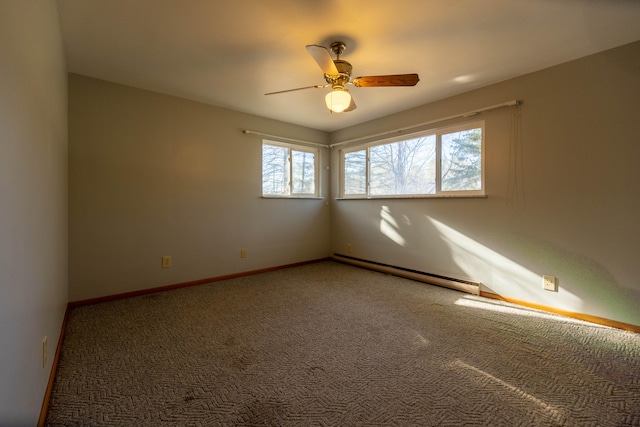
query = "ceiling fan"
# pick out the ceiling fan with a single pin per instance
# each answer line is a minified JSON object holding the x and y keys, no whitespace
{"x":337,"y":74}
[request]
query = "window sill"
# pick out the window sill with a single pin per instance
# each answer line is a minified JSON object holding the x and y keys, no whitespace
{"x":443,"y":196}
{"x":293,"y":197}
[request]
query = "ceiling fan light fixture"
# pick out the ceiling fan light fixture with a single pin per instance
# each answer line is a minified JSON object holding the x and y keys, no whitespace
{"x":338,"y":99}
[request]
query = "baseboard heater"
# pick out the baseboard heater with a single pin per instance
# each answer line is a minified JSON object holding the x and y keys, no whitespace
{"x":433,"y":279}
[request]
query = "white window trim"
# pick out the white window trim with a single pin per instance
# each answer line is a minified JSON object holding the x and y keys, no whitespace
{"x":438,"y":132}
{"x":316,"y":170}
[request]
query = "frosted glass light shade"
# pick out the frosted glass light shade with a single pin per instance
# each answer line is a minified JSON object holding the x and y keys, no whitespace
{"x":338,"y":99}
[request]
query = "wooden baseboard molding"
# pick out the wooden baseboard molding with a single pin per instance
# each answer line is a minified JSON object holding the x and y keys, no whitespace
{"x":572,"y":314}
{"x":114,"y":297}
{"x":54,"y":368}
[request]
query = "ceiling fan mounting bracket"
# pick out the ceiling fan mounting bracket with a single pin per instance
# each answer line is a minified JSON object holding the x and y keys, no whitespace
{"x":338,"y":48}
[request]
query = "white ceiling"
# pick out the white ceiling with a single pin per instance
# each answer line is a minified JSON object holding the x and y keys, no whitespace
{"x":229,"y":53}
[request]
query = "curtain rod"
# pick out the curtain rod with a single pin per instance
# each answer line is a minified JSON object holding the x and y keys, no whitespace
{"x":443,"y":119}
{"x":282,"y":138}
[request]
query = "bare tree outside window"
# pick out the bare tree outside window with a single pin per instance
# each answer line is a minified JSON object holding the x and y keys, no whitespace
{"x":287,"y":171}
{"x":447,"y":161}
{"x":405,"y":167}
{"x":303,"y":172}
{"x":355,"y":172}
{"x":275,"y":170}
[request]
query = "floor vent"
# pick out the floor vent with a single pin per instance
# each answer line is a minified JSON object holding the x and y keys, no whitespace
{"x":446,"y":282}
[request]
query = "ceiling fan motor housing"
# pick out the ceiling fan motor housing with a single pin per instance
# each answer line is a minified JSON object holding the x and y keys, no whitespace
{"x":344,"y":73}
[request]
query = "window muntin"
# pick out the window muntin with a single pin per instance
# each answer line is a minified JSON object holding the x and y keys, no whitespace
{"x":289,"y":170}
{"x":441,"y":162}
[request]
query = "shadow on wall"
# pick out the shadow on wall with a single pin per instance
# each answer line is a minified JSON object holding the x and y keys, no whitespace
{"x":584,"y":286}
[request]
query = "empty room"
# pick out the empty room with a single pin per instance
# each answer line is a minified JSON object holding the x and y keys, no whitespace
{"x":295,"y":212}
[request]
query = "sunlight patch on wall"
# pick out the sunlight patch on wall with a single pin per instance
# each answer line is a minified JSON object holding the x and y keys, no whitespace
{"x":389,"y":226}
{"x":497,"y":272}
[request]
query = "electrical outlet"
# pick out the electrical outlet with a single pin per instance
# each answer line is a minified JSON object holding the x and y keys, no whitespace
{"x":243,"y":253}
{"x":549,"y":283}
{"x":166,"y":261}
{"x":348,"y":248}
{"x":44,"y":352}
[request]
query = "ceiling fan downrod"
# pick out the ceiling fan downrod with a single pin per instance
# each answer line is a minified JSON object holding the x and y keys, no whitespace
{"x":338,"y":48}
{"x":344,"y":68}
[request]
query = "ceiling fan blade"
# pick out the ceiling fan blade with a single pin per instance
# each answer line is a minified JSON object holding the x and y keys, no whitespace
{"x":322,"y":56}
{"x":352,"y":106}
{"x":298,"y":88}
{"x":391,"y":80}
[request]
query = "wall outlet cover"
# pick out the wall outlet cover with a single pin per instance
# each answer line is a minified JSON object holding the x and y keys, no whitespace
{"x":549,"y":283}
{"x":166,"y":261}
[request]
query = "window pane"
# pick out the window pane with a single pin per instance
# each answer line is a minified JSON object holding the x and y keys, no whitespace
{"x":355,"y":172}
{"x":461,"y":164}
{"x":275,"y":170}
{"x":303,"y":172}
{"x":406,"y":167}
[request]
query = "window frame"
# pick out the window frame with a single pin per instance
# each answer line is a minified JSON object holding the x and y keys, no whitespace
{"x":438,"y":133}
{"x":292,"y":147}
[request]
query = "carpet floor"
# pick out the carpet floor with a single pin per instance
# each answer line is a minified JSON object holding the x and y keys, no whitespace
{"x":329,"y":344}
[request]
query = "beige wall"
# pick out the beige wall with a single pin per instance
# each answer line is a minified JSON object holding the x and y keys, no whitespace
{"x":581,"y":181}
{"x":33,"y":203}
{"x":153,"y":175}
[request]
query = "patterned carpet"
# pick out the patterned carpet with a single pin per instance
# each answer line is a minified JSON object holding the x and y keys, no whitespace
{"x":328,"y":344}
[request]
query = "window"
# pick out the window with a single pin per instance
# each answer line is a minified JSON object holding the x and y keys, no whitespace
{"x":441,"y":162}
{"x":288,"y":170}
